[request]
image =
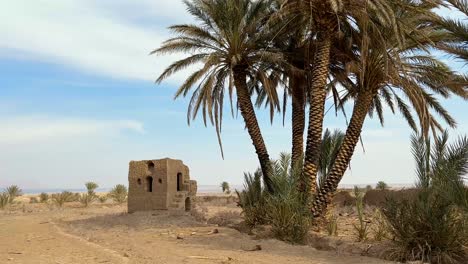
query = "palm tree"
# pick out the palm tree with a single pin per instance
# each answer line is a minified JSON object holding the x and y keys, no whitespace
{"x":13,"y":192}
{"x":381,"y":186}
{"x":457,"y":43}
{"x":382,"y":76}
{"x":442,"y":166}
{"x":225,"y":187}
{"x":326,"y":20}
{"x":91,"y":187}
{"x":234,"y":45}
{"x":292,"y":41}
{"x":296,"y":89}
{"x":432,"y":226}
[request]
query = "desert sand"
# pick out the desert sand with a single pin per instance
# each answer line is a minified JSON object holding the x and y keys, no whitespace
{"x":106,"y":233}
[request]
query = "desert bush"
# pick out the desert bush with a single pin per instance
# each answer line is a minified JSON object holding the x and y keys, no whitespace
{"x":199,"y":214}
{"x":362,"y":229}
{"x":225,"y":187}
{"x":379,"y":226}
{"x":368,"y":187}
{"x":332,"y":225}
{"x":427,"y":229}
{"x":289,"y":218}
{"x":379,"y":197}
{"x":343,"y":198}
{"x":86,"y":199}
{"x":33,"y":200}
{"x":61,"y":198}
{"x":252,"y":199}
{"x":13,"y":192}
{"x":433,"y":227}
{"x":102,"y":198}
{"x":284,"y":209}
{"x":381,"y":186}
{"x":224,"y":218}
{"x":44,"y":197}
{"x":119,"y":193}
{"x":4,"y":200}
{"x":74,"y":197}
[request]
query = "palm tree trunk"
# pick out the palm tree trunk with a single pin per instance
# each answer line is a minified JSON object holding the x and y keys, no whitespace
{"x":317,"y":94}
{"x":248,"y":113}
{"x":351,"y":139}
{"x":296,"y":84}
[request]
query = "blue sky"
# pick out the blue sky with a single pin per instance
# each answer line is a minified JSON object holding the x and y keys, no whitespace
{"x":78,"y":102}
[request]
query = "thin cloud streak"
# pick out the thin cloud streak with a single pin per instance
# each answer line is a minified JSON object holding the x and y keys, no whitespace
{"x":33,"y":129}
{"x":86,"y":36}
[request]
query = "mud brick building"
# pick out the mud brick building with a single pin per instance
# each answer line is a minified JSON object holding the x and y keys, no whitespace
{"x":162,"y":184}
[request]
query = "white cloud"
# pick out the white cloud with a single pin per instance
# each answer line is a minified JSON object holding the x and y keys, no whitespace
{"x":26,"y":130}
{"x":41,"y":151}
{"x":98,"y":37}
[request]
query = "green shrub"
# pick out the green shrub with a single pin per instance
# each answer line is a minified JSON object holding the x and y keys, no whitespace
{"x":119,"y":193}
{"x":252,"y":200}
{"x":61,"y":198}
{"x":33,"y":200}
{"x":428,"y":229}
{"x":362,"y":229}
{"x":287,"y":214}
{"x":44,"y":197}
{"x":13,"y":192}
{"x":285,"y":209}
{"x":4,"y":200}
{"x":433,"y":227}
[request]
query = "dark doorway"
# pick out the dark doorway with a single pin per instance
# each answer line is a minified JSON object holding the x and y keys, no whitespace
{"x":149,"y":184}
{"x":188,"y":204}
{"x":180,"y":181}
{"x":150,"y":166}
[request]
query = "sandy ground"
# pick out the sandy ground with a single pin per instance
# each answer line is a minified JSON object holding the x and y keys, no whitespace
{"x":36,"y":233}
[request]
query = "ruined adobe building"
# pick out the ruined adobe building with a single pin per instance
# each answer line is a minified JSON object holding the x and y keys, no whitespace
{"x":160,"y":185}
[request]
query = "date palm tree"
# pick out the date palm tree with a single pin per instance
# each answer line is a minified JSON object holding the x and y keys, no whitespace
{"x":457,"y":43}
{"x":386,"y":76}
{"x":381,"y":185}
{"x":233,"y":43}
{"x":326,"y":20}
{"x":225,"y":187}
{"x":442,"y":166}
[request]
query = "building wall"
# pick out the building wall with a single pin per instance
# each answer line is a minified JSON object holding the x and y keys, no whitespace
{"x":139,"y":197}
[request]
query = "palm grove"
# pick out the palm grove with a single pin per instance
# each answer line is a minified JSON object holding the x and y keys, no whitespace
{"x":376,"y":55}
